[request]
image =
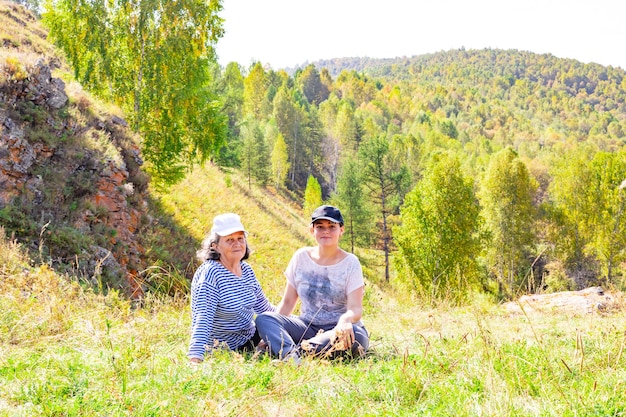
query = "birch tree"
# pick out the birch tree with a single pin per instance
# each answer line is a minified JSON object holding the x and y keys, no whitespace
{"x":152,"y":58}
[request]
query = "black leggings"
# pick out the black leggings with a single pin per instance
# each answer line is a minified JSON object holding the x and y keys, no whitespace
{"x":250,"y":344}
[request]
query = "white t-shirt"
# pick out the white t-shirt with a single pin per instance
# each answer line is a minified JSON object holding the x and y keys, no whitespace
{"x":323,"y":289}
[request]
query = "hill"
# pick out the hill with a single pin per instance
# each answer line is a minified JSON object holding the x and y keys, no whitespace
{"x":490,"y":61}
{"x":74,"y":195}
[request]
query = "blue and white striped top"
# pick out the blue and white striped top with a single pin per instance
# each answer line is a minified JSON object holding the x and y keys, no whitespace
{"x":223,"y":306}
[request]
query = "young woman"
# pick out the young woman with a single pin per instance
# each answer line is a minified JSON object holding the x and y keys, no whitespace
{"x":225,"y":293}
{"x":329,"y":283}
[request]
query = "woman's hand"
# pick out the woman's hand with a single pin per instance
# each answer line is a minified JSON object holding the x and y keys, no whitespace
{"x":343,"y":337}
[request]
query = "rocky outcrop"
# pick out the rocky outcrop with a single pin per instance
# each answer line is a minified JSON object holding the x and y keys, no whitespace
{"x":59,"y":182}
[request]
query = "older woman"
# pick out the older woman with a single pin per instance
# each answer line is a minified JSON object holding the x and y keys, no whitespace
{"x":225,"y":293}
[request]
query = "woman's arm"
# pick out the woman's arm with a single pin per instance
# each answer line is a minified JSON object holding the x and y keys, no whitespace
{"x":288,"y":303}
{"x":202,"y":315}
{"x":354,"y":311}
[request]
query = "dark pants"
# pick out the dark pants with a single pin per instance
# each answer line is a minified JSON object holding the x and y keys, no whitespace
{"x":285,"y":334}
{"x":250,"y":344}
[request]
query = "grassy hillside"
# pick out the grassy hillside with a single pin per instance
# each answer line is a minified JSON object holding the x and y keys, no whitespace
{"x":65,"y":351}
{"x":276,"y":228}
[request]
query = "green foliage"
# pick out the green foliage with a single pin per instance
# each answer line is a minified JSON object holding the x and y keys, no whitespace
{"x":608,"y":192}
{"x":255,"y":156}
{"x":311,"y":84}
{"x":507,"y":193}
{"x":17,"y":221}
{"x":153,"y":59}
{"x":230,"y":87}
{"x":65,"y":241}
{"x":351,"y":200}
{"x":590,"y":203}
{"x":301,"y":131}
{"x":382,"y":184}
{"x":280,"y":162}
{"x":437,"y":239}
{"x":312,"y":195}
{"x":542,"y":107}
{"x":572,"y":213}
{"x":255,"y":102}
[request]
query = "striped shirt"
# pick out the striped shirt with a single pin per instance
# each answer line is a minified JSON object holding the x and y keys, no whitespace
{"x":223,"y":306}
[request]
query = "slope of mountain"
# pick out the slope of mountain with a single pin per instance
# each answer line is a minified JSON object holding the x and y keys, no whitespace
{"x":72,"y":188}
{"x":72,"y":191}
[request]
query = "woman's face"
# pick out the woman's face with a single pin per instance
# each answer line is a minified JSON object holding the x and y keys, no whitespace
{"x":232,"y":248}
{"x":326,"y":232}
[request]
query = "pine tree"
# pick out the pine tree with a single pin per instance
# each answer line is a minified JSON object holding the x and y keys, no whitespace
{"x":350,"y":198}
{"x":382,"y":184}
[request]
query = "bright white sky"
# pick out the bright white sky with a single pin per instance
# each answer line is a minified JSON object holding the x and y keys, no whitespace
{"x":286,"y":33}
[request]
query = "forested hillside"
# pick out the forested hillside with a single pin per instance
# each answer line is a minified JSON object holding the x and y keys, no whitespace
{"x":468,"y":170}
{"x":490,"y":169}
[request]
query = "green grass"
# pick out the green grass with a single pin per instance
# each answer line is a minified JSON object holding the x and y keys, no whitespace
{"x":66,"y":351}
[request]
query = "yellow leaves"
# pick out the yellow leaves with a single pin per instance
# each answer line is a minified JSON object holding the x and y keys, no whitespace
{"x":15,"y":68}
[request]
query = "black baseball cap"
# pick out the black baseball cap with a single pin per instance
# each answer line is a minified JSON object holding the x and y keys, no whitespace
{"x":327,"y":213}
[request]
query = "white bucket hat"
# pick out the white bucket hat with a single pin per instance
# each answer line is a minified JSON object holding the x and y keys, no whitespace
{"x":227,"y":224}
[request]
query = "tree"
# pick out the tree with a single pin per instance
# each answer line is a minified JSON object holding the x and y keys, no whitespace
{"x":571,"y":214}
{"x":153,"y":59}
{"x":288,"y":118}
{"x":381,"y":183}
{"x":506,"y":194}
{"x":280,"y":161}
{"x":437,"y":239}
{"x":608,"y":193}
{"x":311,"y":84}
{"x":301,"y":129}
{"x":255,"y":89}
{"x":346,"y":127}
{"x":350,"y":198}
{"x":587,"y":202}
{"x":254,"y":154}
{"x":312,"y":195}
{"x":231,"y":91}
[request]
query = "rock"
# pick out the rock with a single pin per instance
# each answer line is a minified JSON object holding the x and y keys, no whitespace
{"x":588,"y":300}
{"x":87,"y":178}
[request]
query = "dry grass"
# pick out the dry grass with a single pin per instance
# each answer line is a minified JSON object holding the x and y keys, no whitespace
{"x":21,"y":33}
{"x":68,"y":351}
